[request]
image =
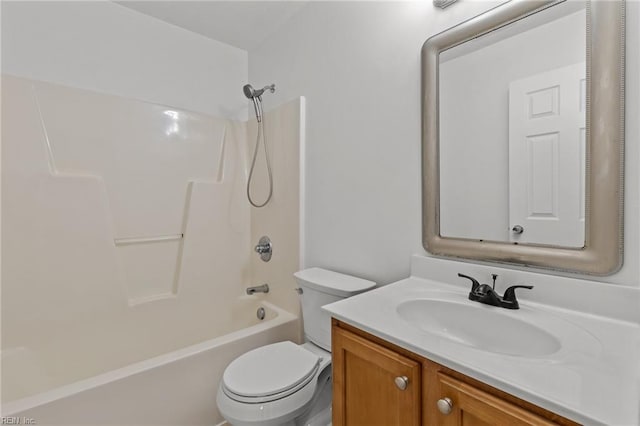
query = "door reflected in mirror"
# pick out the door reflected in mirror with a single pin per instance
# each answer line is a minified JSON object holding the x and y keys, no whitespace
{"x":512,"y":131}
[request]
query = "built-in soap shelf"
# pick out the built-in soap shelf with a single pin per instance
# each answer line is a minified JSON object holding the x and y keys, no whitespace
{"x":149,"y":287}
{"x":144,"y":240}
{"x":152,"y":266}
{"x":155,"y":283}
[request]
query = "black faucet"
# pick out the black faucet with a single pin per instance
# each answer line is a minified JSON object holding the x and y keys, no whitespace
{"x":484,"y":293}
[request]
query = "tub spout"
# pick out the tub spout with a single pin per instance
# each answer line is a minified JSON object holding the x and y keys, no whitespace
{"x":264,"y":288}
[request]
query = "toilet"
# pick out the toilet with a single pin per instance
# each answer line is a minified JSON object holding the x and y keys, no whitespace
{"x":285,"y":383}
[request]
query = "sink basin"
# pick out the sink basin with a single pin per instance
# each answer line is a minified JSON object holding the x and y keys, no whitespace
{"x":479,"y":326}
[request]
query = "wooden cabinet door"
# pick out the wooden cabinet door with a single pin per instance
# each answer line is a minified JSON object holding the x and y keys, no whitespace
{"x":364,"y":388}
{"x":474,"y":407}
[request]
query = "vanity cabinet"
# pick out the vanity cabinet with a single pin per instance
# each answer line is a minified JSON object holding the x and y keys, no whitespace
{"x":373,"y":385}
{"x":470,"y":406}
{"x":378,"y":383}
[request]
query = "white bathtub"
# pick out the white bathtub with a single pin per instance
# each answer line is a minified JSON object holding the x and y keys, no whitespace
{"x":174,"y":388}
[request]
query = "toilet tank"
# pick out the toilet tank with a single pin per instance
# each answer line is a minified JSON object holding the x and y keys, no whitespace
{"x":321,"y":287}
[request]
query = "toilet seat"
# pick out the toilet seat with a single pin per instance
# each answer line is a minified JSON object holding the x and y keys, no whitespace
{"x":270,"y":373}
{"x":278,"y":408}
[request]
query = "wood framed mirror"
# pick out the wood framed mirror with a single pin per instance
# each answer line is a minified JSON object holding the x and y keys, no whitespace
{"x":522,"y":140}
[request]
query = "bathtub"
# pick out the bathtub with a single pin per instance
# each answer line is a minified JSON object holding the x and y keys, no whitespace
{"x":173,"y":388}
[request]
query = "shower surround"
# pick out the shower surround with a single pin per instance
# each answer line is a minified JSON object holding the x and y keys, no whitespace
{"x":127,"y":236}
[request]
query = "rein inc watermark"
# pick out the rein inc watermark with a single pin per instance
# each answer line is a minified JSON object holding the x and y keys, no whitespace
{"x":16,"y":420}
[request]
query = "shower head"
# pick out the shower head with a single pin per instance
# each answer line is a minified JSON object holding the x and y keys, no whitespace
{"x":256,"y":97}
{"x":251,"y":93}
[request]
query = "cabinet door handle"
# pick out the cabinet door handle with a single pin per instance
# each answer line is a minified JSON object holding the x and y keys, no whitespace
{"x":445,"y":405}
{"x":402,"y":382}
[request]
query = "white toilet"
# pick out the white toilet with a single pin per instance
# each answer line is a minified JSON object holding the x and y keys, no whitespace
{"x":285,"y":383}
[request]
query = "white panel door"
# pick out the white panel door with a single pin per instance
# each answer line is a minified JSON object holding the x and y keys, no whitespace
{"x":547,"y":157}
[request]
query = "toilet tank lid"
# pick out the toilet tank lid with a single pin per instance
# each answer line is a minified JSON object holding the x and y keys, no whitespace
{"x":333,"y":283}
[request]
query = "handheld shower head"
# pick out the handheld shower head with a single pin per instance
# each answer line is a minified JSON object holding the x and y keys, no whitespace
{"x":249,"y":91}
{"x":257,"y":106}
{"x":256,"y":97}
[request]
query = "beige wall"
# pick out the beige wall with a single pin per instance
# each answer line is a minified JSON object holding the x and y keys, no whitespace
{"x":280,"y":218}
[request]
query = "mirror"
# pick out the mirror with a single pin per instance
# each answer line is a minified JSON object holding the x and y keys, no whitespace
{"x":514,"y":168}
{"x":518,"y":159}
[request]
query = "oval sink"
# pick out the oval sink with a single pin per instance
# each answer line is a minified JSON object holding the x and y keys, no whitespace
{"x":479,"y":326}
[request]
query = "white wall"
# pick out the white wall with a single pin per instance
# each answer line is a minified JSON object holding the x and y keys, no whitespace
{"x":102,"y":46}
{"x":358,"y":65}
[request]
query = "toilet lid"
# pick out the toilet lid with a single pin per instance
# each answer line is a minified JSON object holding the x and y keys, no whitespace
{"x":270,"y":369}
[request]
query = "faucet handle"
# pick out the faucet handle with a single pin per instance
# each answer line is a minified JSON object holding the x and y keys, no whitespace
{"x":264,"y":248}
{"x":509,"y":299}
{"x":474,"y":283}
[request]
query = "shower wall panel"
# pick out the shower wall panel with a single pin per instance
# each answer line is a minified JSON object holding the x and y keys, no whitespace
{"x":281,"y":218}
{"x":126,"y":229}
{"x":110,"y":203}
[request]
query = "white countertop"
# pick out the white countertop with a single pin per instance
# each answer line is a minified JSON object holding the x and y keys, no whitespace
{"x":593,"y":383}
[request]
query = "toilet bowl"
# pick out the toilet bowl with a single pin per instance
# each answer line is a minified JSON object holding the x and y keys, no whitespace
{"x":275,"y":384}
{"x":284,"y":383}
